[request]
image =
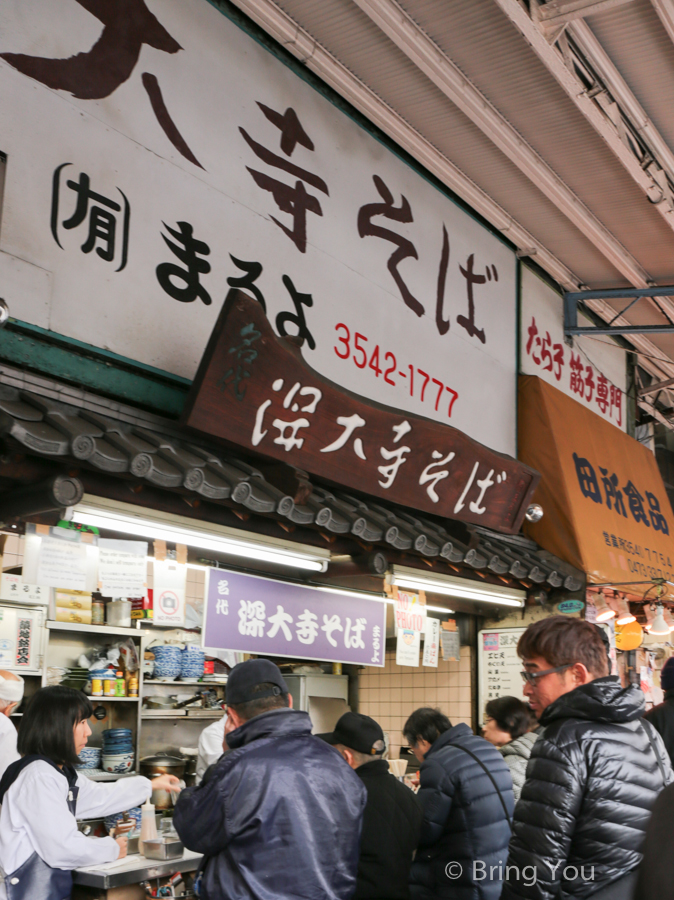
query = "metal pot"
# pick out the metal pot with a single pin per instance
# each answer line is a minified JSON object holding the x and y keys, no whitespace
{"x":169,"y":702}
{"x":162,"y":764}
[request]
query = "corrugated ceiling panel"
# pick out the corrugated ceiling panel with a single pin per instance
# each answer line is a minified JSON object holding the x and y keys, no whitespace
{"x":351,"y":36}
{"x":493,"y":55}
{"x":640,"y":48}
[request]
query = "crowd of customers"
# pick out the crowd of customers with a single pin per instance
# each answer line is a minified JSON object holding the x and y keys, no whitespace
{"x":552,"y":802}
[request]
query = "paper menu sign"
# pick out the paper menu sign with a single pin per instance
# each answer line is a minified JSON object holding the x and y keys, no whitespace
{"x":122,"y":568}
{"x":407,"y":647}
{"x":431,"y":642}
{"x":451,"y":645}
{"x":169,"y":583}
{"x":62,"y":563}
{"x":410,"y":613}
{"x":13,"y":589}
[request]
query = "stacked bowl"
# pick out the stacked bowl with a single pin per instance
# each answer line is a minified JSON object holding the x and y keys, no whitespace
{"x":89,"y":758}
{"x":192,"y":662}
{"x":118,"y":752}
{"x":166,"y":661}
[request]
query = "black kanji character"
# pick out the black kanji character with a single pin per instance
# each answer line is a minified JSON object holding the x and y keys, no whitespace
{"x":636,"y":502}
{"x":612,"y":493}
{"x":587,"y":479}
{"x":657,"y":518}
{"x":101,"y":211}
{"x":468,"y":322}
{"x":297,"y":318}
{"x":188,"y":254}
{"x":406,"y":248}
{"x":294,"y":200}
{"x":246,"y":282}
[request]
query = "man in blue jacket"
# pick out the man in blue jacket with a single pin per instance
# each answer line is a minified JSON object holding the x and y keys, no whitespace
{"x":280,"y":816}
{"x":466,"y":793}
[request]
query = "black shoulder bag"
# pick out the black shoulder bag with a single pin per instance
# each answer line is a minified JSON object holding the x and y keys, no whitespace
{"x":491,"y":778}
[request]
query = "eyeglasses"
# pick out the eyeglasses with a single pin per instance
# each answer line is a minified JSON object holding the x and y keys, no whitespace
{"x":530,"y":677}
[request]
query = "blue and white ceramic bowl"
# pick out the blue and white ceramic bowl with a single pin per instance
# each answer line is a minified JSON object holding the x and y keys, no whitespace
{"x":192,"y":662}
{"x":166,"y":661}
{"x":111,"y":821}
{"x":89,"y":758}
{"x":118,"y":763}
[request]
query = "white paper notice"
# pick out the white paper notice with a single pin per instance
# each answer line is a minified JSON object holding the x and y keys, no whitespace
{"x":409,"y":611}
{"x":451,"y":646}
{"x":12,"y":588}
{"x":407,"y":647}
{"x":168,"y":594}
{"x":122,"y":568}
{"x":62,"y":564}
{"x":431,"y":642}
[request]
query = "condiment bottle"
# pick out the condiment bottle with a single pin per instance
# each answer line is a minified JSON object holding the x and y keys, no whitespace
{"x":120,"y":685}
{"x":96,"y":687}
{"x":108,"y":687}
{"x":97,"y":612}
{"x":148,"y":824}
{"x":133,"y":686}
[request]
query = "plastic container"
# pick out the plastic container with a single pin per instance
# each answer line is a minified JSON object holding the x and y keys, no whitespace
{"x":96,"y":687}
{"x":120,"y":685}
{"x":109,"y":687}
{"x":118,"y":613}
{"x":148,"y":825}
{"x":133,"y":686}
{"x":98,"y":612}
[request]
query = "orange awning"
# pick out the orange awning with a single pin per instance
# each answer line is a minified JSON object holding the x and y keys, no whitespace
{"x":606,"y":510}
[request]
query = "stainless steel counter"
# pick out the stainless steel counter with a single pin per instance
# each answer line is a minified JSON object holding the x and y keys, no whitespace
{"x":133,"y":869}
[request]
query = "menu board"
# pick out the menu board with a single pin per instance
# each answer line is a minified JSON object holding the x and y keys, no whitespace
{"x":498,"y":666}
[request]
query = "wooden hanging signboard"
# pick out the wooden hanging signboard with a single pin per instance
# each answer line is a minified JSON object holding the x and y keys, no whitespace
{"x":254,"y":389}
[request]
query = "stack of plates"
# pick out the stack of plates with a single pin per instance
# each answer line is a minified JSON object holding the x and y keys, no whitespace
{"x":166,"y":661}
{"x":192,"y":662}
{"x":75,"y":677}
{"x":118,"y":752}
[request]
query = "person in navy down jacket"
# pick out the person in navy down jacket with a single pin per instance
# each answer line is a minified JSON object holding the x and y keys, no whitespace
{"x":593,"y":775}
{"x":466,"y":793}
{"x":280,"y":815}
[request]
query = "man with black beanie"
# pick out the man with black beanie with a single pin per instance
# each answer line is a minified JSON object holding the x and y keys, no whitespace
{"x":392,"y":817}
{"x":280,"y":815}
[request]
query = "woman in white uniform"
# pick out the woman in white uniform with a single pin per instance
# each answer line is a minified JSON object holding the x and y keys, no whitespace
{"x":41,"y":794}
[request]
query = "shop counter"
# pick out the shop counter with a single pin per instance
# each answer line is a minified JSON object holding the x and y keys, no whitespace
{"x":110,"y":880}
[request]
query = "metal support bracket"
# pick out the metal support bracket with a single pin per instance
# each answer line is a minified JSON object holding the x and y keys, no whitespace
{"x":572,"y":299}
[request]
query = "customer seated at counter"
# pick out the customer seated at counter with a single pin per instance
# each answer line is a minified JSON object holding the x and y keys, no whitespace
{"x":41,"y":793}
{"x":280,"y":815}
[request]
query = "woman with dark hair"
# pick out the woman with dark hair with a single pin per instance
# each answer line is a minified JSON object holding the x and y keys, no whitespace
{"x":41,"y":793}
{"x":510,"y":726}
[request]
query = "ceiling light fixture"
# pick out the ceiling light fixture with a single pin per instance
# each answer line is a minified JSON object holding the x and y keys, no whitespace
{"x":155,"y":525}
{"x":604,"y":611}
{"x":624,"y":616}
{"x":415,"y":580}
{"x":658,"y":625}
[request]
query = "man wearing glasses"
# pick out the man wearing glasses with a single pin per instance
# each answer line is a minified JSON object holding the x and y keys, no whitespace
{"x":593,"y":775}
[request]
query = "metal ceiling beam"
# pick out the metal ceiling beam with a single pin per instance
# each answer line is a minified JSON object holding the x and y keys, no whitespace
{"x":655,"y":388}
{"x":573,"y":298}
{"x":300,"y":44}
{"x":418,"y":47}
{"x":556,"y":12}
{"x":587,"y":103}
{"x":666,"y":290}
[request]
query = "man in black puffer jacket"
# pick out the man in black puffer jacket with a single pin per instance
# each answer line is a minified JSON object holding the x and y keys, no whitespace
{"x":467,"y":813}
{"x":593,"y":776}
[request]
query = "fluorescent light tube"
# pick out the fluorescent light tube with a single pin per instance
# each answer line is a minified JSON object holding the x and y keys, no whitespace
{"x":142,"y":523}
{"x":410,"y":579}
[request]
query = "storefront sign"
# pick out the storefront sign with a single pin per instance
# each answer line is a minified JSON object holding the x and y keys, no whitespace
{"x":498,"y":666}
{"x":185,"y":158}
{"x":258,"y":615}
{"x":256,"y":390}
{"x":593,"y":372}
{"x":606,"y":508}
{"x":13,"y":589}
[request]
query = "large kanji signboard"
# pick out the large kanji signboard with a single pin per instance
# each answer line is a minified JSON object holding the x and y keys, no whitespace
{"x":255,"y":390}
{"x":158,"y":156}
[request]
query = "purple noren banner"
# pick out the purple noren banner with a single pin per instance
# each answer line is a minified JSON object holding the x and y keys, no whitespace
{"x":259,"y":615}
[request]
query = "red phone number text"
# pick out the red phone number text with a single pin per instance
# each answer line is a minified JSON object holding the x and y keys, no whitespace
{"x":359,"y":354}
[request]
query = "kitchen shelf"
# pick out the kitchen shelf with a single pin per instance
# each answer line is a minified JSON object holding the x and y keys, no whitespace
{"x":103,"y":699}
{"x":95,"y":629}
{"x":183,"y":713}
{"x":178,"y":683}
